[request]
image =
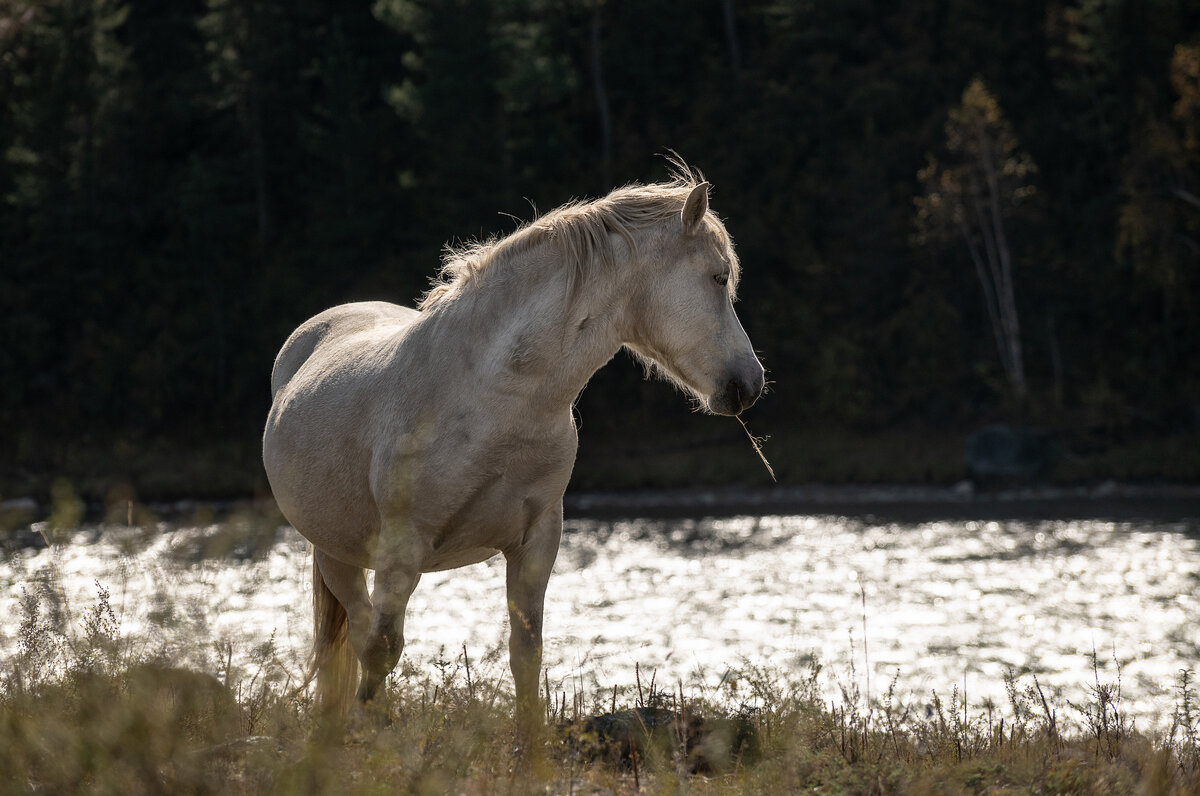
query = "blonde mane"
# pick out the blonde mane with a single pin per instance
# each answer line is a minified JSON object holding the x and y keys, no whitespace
{"x":581,"y":230}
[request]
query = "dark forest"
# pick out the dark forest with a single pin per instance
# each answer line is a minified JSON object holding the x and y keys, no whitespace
{"x":950,"y":214}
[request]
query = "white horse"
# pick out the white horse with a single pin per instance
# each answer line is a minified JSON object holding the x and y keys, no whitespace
{"x":410,"y":441}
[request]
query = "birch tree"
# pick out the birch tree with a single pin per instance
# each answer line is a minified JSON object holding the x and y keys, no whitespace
{"x":969,"y":197}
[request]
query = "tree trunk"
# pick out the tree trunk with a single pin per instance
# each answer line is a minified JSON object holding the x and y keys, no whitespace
{"x":731,"y":36}
{"x":254,"y":117}
{"x":1055,"y":361}
{"x":1001,"y":272}
{"x":601,"y":103}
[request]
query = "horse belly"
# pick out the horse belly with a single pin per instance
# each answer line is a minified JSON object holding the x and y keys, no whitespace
{"x":462,"y":558}
{"x":490,"y":519}
{"x":499,"y":511}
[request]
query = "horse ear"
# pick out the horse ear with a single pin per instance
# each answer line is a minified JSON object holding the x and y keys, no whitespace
{"x":695,"y":207}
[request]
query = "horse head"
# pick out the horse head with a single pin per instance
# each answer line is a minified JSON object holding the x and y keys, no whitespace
{"x":681,"y":317}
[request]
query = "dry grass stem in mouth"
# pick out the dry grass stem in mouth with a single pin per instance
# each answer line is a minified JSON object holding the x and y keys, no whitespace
{"x":757,"y":443}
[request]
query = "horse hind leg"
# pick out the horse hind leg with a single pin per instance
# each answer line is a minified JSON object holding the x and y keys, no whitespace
{"x":396,"y":575}
{"x":341,"y":613}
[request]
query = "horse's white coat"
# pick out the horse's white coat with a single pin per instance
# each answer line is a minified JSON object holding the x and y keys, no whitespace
{"x":411,"y":441}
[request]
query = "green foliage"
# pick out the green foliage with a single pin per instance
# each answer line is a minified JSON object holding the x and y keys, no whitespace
{"x":181,"y":184}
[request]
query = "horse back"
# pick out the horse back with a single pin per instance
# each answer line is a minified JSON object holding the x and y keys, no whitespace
{"x":333,"y":323}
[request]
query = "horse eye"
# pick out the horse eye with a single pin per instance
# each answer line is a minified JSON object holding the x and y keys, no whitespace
{"x":721,"y":279}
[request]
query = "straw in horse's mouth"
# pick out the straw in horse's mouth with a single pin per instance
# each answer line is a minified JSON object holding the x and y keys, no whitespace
{"x":757,"y":443}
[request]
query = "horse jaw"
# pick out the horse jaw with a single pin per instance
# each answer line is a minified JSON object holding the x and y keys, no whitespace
{"x":732,"y":394}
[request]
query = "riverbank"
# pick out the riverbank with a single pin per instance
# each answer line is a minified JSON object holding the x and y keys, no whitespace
{"x":686,"y":452}
{"x":878,"y":502}
{"x":910,"y":503}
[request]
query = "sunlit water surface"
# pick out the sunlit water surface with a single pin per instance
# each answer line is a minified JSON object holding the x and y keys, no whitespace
{"x":934,"y":605}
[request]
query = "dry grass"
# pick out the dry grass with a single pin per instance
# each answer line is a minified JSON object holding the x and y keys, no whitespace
{"x":80,"y":711}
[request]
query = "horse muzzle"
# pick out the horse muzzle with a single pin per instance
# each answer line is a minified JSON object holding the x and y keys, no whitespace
{"x":739,"y":394}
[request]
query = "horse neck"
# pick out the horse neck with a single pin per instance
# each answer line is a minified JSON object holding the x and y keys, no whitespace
{"x":537,"y":331}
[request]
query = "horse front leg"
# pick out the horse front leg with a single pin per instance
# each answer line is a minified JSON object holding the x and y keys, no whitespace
{"x":528,"y":572}
{"x":397,"y":571}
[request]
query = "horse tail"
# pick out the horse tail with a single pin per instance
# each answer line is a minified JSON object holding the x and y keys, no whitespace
{"x":333,"y":659}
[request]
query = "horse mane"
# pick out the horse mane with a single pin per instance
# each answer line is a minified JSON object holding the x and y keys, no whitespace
{"x":580,"y":229}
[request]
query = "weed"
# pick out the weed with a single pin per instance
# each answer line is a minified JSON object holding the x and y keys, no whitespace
{"x":1185,"y":723}
{"x":82,"y":709}
{"x":1102,"y":714}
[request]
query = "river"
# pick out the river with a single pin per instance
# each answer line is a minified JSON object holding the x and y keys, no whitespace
{"x":929,"y":604}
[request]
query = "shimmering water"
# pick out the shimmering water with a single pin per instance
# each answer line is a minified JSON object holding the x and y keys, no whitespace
{"x":936,"y":605}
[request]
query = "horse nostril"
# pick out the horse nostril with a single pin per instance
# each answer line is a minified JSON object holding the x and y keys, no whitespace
{"x":736,"y":393}
{"x":742,"y":395}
